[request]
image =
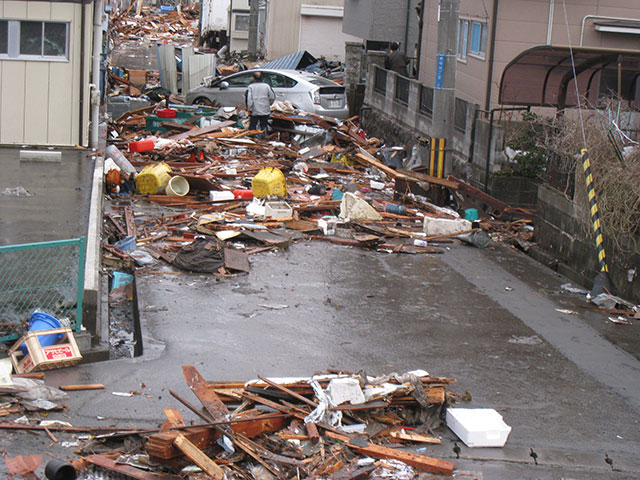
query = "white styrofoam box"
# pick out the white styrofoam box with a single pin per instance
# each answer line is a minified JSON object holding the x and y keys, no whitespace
{"x":478,"y":427}
{"x":445,"y":226}
{"x":342,"y":390}
{"x":278,"y":210}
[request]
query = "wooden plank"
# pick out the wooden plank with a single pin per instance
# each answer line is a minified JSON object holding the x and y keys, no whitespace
{"x":373,"y":162}
{"x":236,"y":260}
{"x":288,"y":391}
{"x":175,"y":417}
{"x":131,"y":224}
{"x":421,"y":462}
{"x":312,"y":431}
{"x":202,"y":131}
{"x":88,"y":386}
{"x":430,"y":179}
{"x":415,"y":437}
{"x":194,"y":454}
{"x":209,"y":399}
{"x":127,"y":470}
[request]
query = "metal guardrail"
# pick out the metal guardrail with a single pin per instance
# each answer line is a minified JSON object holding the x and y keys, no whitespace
{"x":44,"y":276}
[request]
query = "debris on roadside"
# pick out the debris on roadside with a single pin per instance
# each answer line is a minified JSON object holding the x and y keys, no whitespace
{"x":221,"y":187}
{"x":340,"y":424}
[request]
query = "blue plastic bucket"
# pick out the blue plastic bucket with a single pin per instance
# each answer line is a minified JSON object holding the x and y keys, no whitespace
{"x":43,"y":321}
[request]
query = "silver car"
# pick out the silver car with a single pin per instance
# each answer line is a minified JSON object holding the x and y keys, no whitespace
{"x":306,"y":91}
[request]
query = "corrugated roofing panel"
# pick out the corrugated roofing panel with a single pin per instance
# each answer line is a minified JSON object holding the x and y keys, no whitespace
{"x":295,"y":61}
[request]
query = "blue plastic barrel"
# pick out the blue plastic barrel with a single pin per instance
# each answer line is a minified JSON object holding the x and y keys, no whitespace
{"x":395,"y":208}
{"x":43,"y":321}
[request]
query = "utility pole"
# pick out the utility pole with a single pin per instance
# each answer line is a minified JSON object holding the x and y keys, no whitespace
{"x":444,"y":93}
{"x":254,"y":10}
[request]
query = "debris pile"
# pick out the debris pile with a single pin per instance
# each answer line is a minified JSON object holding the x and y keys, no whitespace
{"x":223,"y":188}
{"x":335,"y":424}
{"x":180,"y":27}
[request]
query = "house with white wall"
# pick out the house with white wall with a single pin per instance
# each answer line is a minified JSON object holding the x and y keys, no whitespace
{"x":287,"y":27}
{"x":45,"y":67}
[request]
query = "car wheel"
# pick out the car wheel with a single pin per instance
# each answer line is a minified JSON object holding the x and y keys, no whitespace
{"x":203,"y":101}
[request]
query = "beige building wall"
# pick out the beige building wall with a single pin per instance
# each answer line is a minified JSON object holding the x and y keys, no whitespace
{"x":39,"y":99}
{"x":286,"y":22}
{"x":522,"y":24}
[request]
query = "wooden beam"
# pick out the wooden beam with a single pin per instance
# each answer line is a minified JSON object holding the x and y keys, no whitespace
{"x":421,"y":462}
{"x":209,"y":399}
{"x":194,"y":454}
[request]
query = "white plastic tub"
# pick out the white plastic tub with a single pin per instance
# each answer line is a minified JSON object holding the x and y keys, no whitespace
{"x":478,"y":427}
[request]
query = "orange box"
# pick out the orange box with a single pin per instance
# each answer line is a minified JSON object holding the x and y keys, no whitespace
{"x":65,"y":353}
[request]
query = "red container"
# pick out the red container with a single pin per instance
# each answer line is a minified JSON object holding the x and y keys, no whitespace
{"x":243,"y":194}
{"x":141,"y":146}
{"x":167,"y":113}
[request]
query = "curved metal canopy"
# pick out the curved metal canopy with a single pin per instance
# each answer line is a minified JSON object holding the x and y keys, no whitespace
{"x":543,"y":76}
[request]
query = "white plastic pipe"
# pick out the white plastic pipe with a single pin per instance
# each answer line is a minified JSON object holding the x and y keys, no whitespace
{"x":599,"y":17}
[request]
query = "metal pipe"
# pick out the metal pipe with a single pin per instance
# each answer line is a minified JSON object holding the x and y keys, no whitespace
{"x":406,"y":28}
{"x":494,"y":27}
{"x":489,"y":140}
{"x":95,"y":73}
{"x":619,"y":77}
{"x":550,"y":24}
{"x":420,"y":33}
{"x":600,"y":17}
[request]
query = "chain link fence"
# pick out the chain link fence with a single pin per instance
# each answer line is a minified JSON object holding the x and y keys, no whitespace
{"x":45,"y":276}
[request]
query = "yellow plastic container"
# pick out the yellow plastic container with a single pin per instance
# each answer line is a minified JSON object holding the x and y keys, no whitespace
{"x":153,"y":178}
{"x":269,"y":181}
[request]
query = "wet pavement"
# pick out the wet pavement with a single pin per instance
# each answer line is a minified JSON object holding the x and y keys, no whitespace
{"x":486,"y":317}
{"x":58,"y":207}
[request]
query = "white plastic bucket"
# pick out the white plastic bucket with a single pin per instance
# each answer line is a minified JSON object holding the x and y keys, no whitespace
{"x":177,"y":186}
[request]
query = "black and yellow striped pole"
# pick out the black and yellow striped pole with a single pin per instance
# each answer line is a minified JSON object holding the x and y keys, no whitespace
{"x":593,"y":208}
{"x":437,"y":157}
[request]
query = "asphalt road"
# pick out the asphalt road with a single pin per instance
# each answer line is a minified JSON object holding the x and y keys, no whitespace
{"x":568,"y":384}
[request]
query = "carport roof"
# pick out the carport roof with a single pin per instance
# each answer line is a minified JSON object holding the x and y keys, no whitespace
{"x":542,"y":75}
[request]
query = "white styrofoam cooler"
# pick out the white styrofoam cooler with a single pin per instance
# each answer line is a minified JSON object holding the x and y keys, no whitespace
{"x":478,"y":427}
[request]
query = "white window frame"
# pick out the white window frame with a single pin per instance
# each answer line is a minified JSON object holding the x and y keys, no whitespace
{"x":235,"y":22}
{"x":13,"y":42}
{"x":482,"y":41}
{"x":463,"y":39}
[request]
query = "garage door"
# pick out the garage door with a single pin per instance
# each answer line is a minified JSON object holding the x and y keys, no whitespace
{"x":322,"y":37}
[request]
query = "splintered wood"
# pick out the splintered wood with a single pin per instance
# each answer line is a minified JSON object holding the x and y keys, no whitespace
{"x":246,"y":415}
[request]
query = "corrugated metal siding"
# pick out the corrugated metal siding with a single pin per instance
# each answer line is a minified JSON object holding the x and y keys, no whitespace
{"x":295,"y":61}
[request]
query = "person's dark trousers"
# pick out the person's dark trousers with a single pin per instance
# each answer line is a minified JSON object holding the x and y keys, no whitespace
{"x":258,"y":122}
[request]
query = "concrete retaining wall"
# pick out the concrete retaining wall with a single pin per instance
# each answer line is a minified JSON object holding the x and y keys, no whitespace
{"x":560,"y":231}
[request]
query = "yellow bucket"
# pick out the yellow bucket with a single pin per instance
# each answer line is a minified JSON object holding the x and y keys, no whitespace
{"x":269,"y":181}
{"x":153,"y":178}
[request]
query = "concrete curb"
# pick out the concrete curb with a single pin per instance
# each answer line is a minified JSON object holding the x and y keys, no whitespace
{"x":91,"y":309}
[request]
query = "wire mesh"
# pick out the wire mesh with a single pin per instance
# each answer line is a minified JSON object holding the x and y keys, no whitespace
{"x":46,"y":277}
